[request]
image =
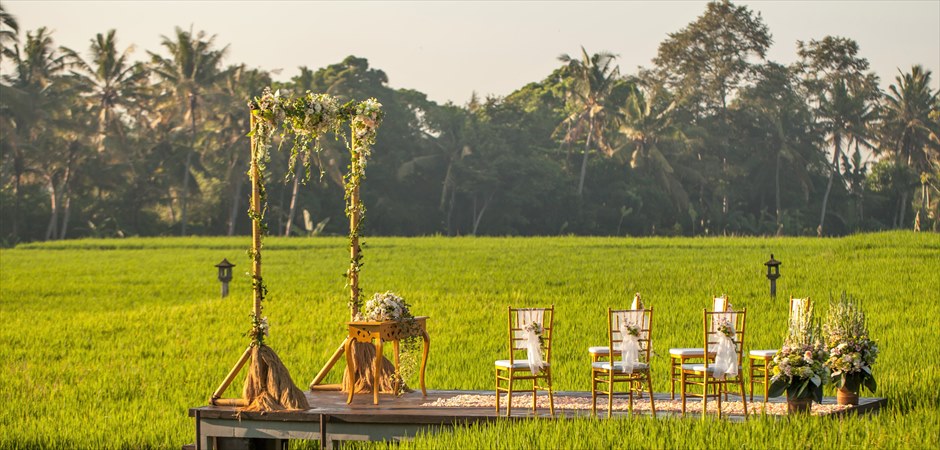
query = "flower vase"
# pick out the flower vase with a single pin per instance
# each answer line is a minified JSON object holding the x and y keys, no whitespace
{"x":846,"y":397}
{"x":799,"y":405}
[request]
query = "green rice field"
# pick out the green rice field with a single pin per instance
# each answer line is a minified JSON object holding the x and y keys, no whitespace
{"x":107,"y":343}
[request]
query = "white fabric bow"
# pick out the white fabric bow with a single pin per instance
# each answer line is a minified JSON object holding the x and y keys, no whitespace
{"x":629,"y":344}
{"x":726,"y":354}
{"x":531,"y":339}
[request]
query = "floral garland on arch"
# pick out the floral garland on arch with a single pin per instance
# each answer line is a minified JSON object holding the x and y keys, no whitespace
{"x":306,"y":119}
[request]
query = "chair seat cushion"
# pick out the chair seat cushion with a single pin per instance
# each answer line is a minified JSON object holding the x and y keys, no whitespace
{"x":600,"y":350}
{"x":516,"y":365}
{"x":686,"y":352}
{"x":762,"y":353}
{"x":701,"y":368}
{"x":618,"y":366}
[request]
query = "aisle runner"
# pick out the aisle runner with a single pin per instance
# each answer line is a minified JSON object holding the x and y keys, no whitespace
{"x":524,"y":401}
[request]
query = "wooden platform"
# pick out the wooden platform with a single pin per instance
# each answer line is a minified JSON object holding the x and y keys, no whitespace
{"x":331,"y":419}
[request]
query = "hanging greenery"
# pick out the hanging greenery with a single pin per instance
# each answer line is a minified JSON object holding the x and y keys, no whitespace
{"x":304,"y":120}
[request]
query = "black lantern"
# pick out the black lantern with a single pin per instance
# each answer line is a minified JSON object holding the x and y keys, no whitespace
{"x":225,"y":275}
{"x":773,"y":272}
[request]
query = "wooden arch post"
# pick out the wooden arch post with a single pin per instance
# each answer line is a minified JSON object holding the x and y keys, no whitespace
{"x":268,"y":385}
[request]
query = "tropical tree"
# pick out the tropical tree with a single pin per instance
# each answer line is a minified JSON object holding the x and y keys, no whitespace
{"x":111,"y":84}
{"x":778,"y":127}
{"x":9,"y":34}
{"x":846,"y":118}
{"x":653,"y":140}
{"x":837,"y":83}
{"x":35,"y":93}
{"x":192,"y":68}
{"x":910,"y":133}
{"x":593,"y":81}
{"x":706,"y":62}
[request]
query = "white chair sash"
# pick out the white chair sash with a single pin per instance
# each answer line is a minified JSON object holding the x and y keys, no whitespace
{"x":726,"y":354}
{"x":630,"y":344}
{"x":532,"y":343}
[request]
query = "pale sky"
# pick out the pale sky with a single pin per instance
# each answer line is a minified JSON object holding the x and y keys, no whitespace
{"x":451,"y":49}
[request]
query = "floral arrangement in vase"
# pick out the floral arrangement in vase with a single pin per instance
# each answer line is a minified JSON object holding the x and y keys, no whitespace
{"x":798,"y":368}
{"x":851,"y":351}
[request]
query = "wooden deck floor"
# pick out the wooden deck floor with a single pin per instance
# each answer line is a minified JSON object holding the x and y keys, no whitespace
{"x":395,"y":418}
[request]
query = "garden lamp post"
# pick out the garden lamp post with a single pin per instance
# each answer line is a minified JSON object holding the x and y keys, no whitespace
{"x":773,"y":272}
{"x":225,"y":275}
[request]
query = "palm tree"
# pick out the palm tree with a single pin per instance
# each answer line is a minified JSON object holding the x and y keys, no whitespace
{"x":594,"y":77}
{"x":846,"y":113}
{"x":9,"y":34}
{"x":35,"y":91}
{"x":778,"y":123}
{"x":910,"y":132}
{"x":110,"y":83}
{"x":647,"y":123}
{"x":230,"y":143}
{"x":191,"y":69}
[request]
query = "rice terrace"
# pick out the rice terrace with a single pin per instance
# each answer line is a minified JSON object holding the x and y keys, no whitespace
{"x":137,"y":334}
{"x":717,"y":250}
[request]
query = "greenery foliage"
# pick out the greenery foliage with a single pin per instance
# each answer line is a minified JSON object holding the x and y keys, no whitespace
{"x":712,"y":139}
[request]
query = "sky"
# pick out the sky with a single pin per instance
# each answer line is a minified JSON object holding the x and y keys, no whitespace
{"x":449,"y":50}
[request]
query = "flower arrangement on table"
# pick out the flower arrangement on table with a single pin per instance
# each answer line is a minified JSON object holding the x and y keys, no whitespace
{"x":386,"y":307}
{"x":391,"y":307}
{"x":851,"y":351}
{"x":798,"y":367}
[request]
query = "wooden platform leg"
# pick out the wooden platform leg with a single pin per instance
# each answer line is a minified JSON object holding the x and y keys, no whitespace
{"x":424,"y":362}
{"x":351,"y":374}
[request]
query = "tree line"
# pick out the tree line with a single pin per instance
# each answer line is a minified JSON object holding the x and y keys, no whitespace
{"x":713,"y":138}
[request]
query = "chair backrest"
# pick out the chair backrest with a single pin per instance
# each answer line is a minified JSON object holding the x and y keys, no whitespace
{"x":519,"y":318}
{"x":637,"y":302}
{"x":798,"y":307}
{"x":711,"y":320}
{"x":616,"y":318}
{"x":720,"y":304}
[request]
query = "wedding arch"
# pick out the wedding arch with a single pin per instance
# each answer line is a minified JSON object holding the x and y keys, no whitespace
{"x":304,"y":120}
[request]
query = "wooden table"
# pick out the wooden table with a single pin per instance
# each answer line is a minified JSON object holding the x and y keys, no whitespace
{"x":377,"y":333}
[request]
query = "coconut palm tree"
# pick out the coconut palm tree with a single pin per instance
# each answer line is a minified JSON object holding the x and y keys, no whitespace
{"x":646,"y":122}
{"x":31,"y":95}
{"x":846,"y":114}
{"x":192,"y":68}
{"x":778,"y":124}
{"x":9,"y":34}
{"x":110,"y":83}
{"x":909,"y":130}
{"x":593,"y":80}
